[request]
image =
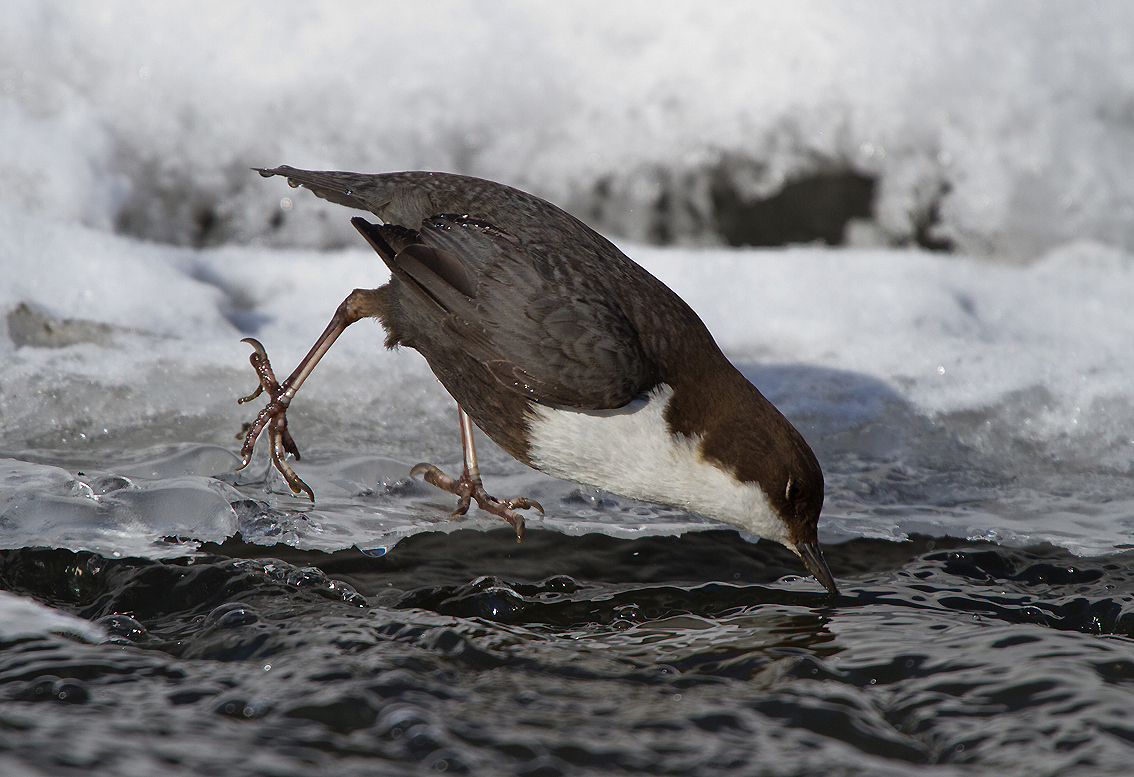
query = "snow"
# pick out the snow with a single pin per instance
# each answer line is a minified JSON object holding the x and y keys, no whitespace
{"x":984,"y":392}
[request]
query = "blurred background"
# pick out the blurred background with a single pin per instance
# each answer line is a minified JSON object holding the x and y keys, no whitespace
{"x":997,"y":129}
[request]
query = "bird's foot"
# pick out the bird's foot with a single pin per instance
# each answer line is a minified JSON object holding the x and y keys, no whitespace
{"x":468,"y":488}
{"x":273,"y":418}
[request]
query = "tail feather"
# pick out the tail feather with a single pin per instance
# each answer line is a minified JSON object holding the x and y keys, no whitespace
{"x":339,"y":188}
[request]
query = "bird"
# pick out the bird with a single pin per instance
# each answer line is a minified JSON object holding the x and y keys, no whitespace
{"x":566,"y":353}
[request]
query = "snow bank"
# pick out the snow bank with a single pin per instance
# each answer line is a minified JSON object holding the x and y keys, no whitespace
{"x":943,"y":395}
{"x":1001,"y":128}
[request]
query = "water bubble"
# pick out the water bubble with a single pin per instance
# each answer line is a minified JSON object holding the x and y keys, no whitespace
{"x":242,"y":709}
{"x":51,"y":688}
{"x":71,"y":691}
{"x":109,"y":483}
{"x":122,"y":629}
{"x":231,"y":615}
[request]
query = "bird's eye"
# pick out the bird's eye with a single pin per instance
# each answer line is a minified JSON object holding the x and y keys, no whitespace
{"x":791,"y":490}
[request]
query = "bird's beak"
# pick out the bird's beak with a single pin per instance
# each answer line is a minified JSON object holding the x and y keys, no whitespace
{"x":813,"y":559}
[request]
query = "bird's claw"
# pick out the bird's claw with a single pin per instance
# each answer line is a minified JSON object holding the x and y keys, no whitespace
{"x":468,"y":489}
{"x":273,"y":418}
{"x":259,"y":390}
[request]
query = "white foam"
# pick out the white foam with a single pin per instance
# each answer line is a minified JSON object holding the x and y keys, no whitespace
{"x":22,"y":618}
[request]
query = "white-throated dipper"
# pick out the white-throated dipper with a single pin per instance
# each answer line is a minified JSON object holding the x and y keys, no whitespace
{"x":566,"y":353}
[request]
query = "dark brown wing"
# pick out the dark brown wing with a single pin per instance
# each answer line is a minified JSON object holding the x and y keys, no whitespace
{"x":553,"y":337}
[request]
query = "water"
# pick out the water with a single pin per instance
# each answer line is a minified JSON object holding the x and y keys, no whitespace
{"x":177,"y":618}
{"x":469,"y":653}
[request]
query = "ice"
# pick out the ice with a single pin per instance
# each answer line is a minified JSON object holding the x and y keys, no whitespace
{"x":981,"y":393}
{"x":111,"y":514}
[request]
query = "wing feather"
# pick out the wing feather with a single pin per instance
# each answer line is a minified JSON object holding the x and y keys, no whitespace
{"x":507,"y":304}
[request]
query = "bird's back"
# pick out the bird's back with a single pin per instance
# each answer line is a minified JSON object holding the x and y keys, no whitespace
{"x":570,"y":256}
{"x":408,"y":198}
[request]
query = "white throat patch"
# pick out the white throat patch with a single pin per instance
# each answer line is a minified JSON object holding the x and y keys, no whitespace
{"x":630,"y":451}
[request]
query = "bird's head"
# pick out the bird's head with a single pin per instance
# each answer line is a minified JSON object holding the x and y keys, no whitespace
{"x":797,"y":498}
{"x":772,"y":471}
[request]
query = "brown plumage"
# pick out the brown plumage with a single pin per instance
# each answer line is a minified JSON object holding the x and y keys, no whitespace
{"x":518,"y":306}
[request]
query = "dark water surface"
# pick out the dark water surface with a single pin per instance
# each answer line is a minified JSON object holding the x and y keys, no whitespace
{"x":472,"y":654}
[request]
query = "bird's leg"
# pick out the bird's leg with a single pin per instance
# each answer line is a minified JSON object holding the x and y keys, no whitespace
{"x":468,"y":486}
{"x":361,"y":303}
